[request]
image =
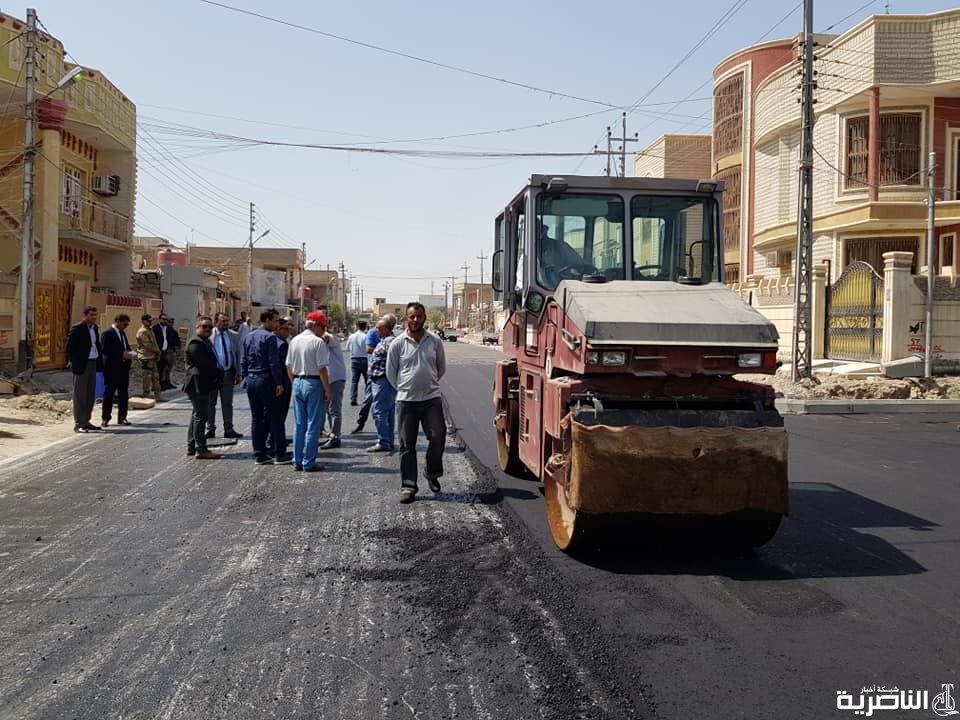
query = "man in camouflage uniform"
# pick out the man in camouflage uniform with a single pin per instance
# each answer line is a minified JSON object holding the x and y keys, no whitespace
{"x":148,"y":352}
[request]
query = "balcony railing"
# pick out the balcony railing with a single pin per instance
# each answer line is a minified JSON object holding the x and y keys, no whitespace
{"x":88,"y":216}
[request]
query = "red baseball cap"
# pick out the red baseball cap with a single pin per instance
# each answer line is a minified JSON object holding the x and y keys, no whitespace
{"x":317,"y":316}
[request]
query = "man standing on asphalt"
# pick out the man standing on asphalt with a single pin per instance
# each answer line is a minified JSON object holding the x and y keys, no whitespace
{"x":356,"y":345}
{"x":168,"y":340}
{"x":204,"y":376}
{"x":307,"y":360}
{"x":117,"y":356}
{"x":384,"y":396}
{"x":277,"y":439}
{"x":86,"y":359}
{"x":415,"y":364}
{"x":260,"y":368}
{"x":226,"y":343}
{"x":372,"y":340}
{"x":338,"y":381}
{"x":149,"y":353}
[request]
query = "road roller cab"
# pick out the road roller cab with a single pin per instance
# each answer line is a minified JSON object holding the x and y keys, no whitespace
{"x":619,"y":394}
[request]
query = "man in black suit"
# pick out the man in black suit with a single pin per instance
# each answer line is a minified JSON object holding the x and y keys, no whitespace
{"x":86,"y":359}
{"x":168,"y":340}
{"x":116,"y":369}
{"x":204,"y":376}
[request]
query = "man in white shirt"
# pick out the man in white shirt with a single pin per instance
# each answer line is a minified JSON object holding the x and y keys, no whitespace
{"x":357,"y":347}
{"x":307,"y":361}
{"x":415,"y":363}
{"x":226,"y":345}
{"x":338,"y":381}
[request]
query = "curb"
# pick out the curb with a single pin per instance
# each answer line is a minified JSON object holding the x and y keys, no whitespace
{"x":802,"y":406}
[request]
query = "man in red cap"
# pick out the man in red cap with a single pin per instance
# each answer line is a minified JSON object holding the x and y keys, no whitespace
{"x":307,"y":360}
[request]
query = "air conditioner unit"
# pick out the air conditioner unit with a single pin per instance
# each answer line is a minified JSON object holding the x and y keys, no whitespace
{"x":105,"y":184}
{"x":779,"y":258}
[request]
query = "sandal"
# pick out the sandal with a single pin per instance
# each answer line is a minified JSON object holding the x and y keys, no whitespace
{"x":407,"y":495}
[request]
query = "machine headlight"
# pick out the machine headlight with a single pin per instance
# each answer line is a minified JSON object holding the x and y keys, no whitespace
{"x":750,"y":360}
{"x":614,"y":357}
{"x":593,"y":357}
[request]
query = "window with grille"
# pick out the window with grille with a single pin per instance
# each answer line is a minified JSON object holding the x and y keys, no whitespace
{"x":899,"y":150}
{"x":731,"y":208}
{"x":71,"y":190}
{"x":728,"y":116}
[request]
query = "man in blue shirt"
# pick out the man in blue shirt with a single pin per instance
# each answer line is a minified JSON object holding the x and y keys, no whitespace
{"x":373,"y":339}
{"x":357,"y":346}
{"x":260,"y":367}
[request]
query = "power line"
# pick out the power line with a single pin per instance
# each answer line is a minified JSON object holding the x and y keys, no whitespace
{"x":408,"y":56}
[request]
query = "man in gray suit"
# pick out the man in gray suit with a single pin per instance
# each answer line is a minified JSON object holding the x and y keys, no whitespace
{"x":226,"y":344}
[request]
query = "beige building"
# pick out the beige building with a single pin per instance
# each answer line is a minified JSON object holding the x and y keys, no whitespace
{"x":472,"y":305}
{"x":278,"y":273}
{"x":675,"y":156}
{"x":84,"y":186}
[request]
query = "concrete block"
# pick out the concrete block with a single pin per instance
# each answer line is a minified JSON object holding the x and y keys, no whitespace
{"x":142,"y":403}
{"x":904,"y":368}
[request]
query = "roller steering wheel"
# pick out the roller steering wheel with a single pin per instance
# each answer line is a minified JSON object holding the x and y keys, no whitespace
{"x":638,"y":271}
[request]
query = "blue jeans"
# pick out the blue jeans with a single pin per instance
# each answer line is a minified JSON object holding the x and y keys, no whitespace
{"x":367,"y":402}
{"x":261,"y":393}
{"x":384,"y":411}
{"x":308,"y":409}
{"x":335,"y":409}
{"x":359,"y":368}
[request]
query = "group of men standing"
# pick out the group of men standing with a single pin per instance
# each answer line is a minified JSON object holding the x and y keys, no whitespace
{"x":90,"y":352}
{"x":401,"y":383}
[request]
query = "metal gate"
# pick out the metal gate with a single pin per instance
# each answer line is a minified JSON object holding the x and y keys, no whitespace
{"x":51,"y":323}
{"x":855,"y":315}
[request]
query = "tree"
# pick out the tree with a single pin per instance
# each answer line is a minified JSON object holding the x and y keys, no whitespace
{"x":435,"y":318}
{"x":335,"y":314}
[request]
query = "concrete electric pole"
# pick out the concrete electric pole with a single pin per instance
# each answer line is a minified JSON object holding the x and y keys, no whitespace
{"x":802,"y":366}
{"x":25,"y":351}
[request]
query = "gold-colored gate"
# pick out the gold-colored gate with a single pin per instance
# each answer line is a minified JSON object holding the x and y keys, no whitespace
{"x":51,"y":323}
{"x":855,"y":315}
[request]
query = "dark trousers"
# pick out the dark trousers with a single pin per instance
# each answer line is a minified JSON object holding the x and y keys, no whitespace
{"x":359,"y":367}
{"x":225,"y":395}
{"x":411,"y":415}
{"x":84,"y":393}
{"x":116,"y":382}
{"x":261,"y":392}
{"x":164,"y":363}
{"x":367,"y":402}
{"x":277,"y":443}
{"x":196,"y":438}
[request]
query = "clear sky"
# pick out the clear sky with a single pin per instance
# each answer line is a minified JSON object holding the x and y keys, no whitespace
{"x":400,"y":224}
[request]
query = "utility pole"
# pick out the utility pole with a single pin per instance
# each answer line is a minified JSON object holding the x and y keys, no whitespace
{"x":463,"y":297}
{"x":446,"y":308}
{"x":342,"y":295}
{"x":483,"y":318}
{"x":253,"y":222}
{"x":303,"y":267}
{"x":623,"y":140}
{"x":931,"y":231}
{"x":25,"y":352}
{"x":802,"y":366}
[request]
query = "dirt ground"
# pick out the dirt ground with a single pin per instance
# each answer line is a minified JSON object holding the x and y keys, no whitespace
{"x":832,"y":386}
{"x":45,"y":416}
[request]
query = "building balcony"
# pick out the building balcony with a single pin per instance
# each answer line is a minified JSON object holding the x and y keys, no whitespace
{"x":94,"y":224}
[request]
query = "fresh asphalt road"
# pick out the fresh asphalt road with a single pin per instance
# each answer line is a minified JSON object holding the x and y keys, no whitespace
{"x":136,"y":582}
{"x":859,"y":588}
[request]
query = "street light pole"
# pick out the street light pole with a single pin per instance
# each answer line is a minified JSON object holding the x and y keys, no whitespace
{"x":25,"y":352}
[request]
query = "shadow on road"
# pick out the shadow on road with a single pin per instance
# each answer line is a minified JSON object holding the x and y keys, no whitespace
{"x":823,"y":537}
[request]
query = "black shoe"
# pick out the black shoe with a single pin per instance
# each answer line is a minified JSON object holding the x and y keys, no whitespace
{"x":433,"y":482}
{"x":297,"y":468}
{"x":330,"y":444}
{"x":378,"y":448}
{"x":284,"y":459}
{"x":356,"y":430}
{"x":263,"y":460}
{"x":104,"y":422}
{"x":88,"y":426}
{"x":313,"y":468}
{"x":210,"y":434}
{"x":191,"y":452}
{"x":233,"y":434}
{"x":78,"y":429}
{"x":123,"y":422}
{"x":353,"y":403}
